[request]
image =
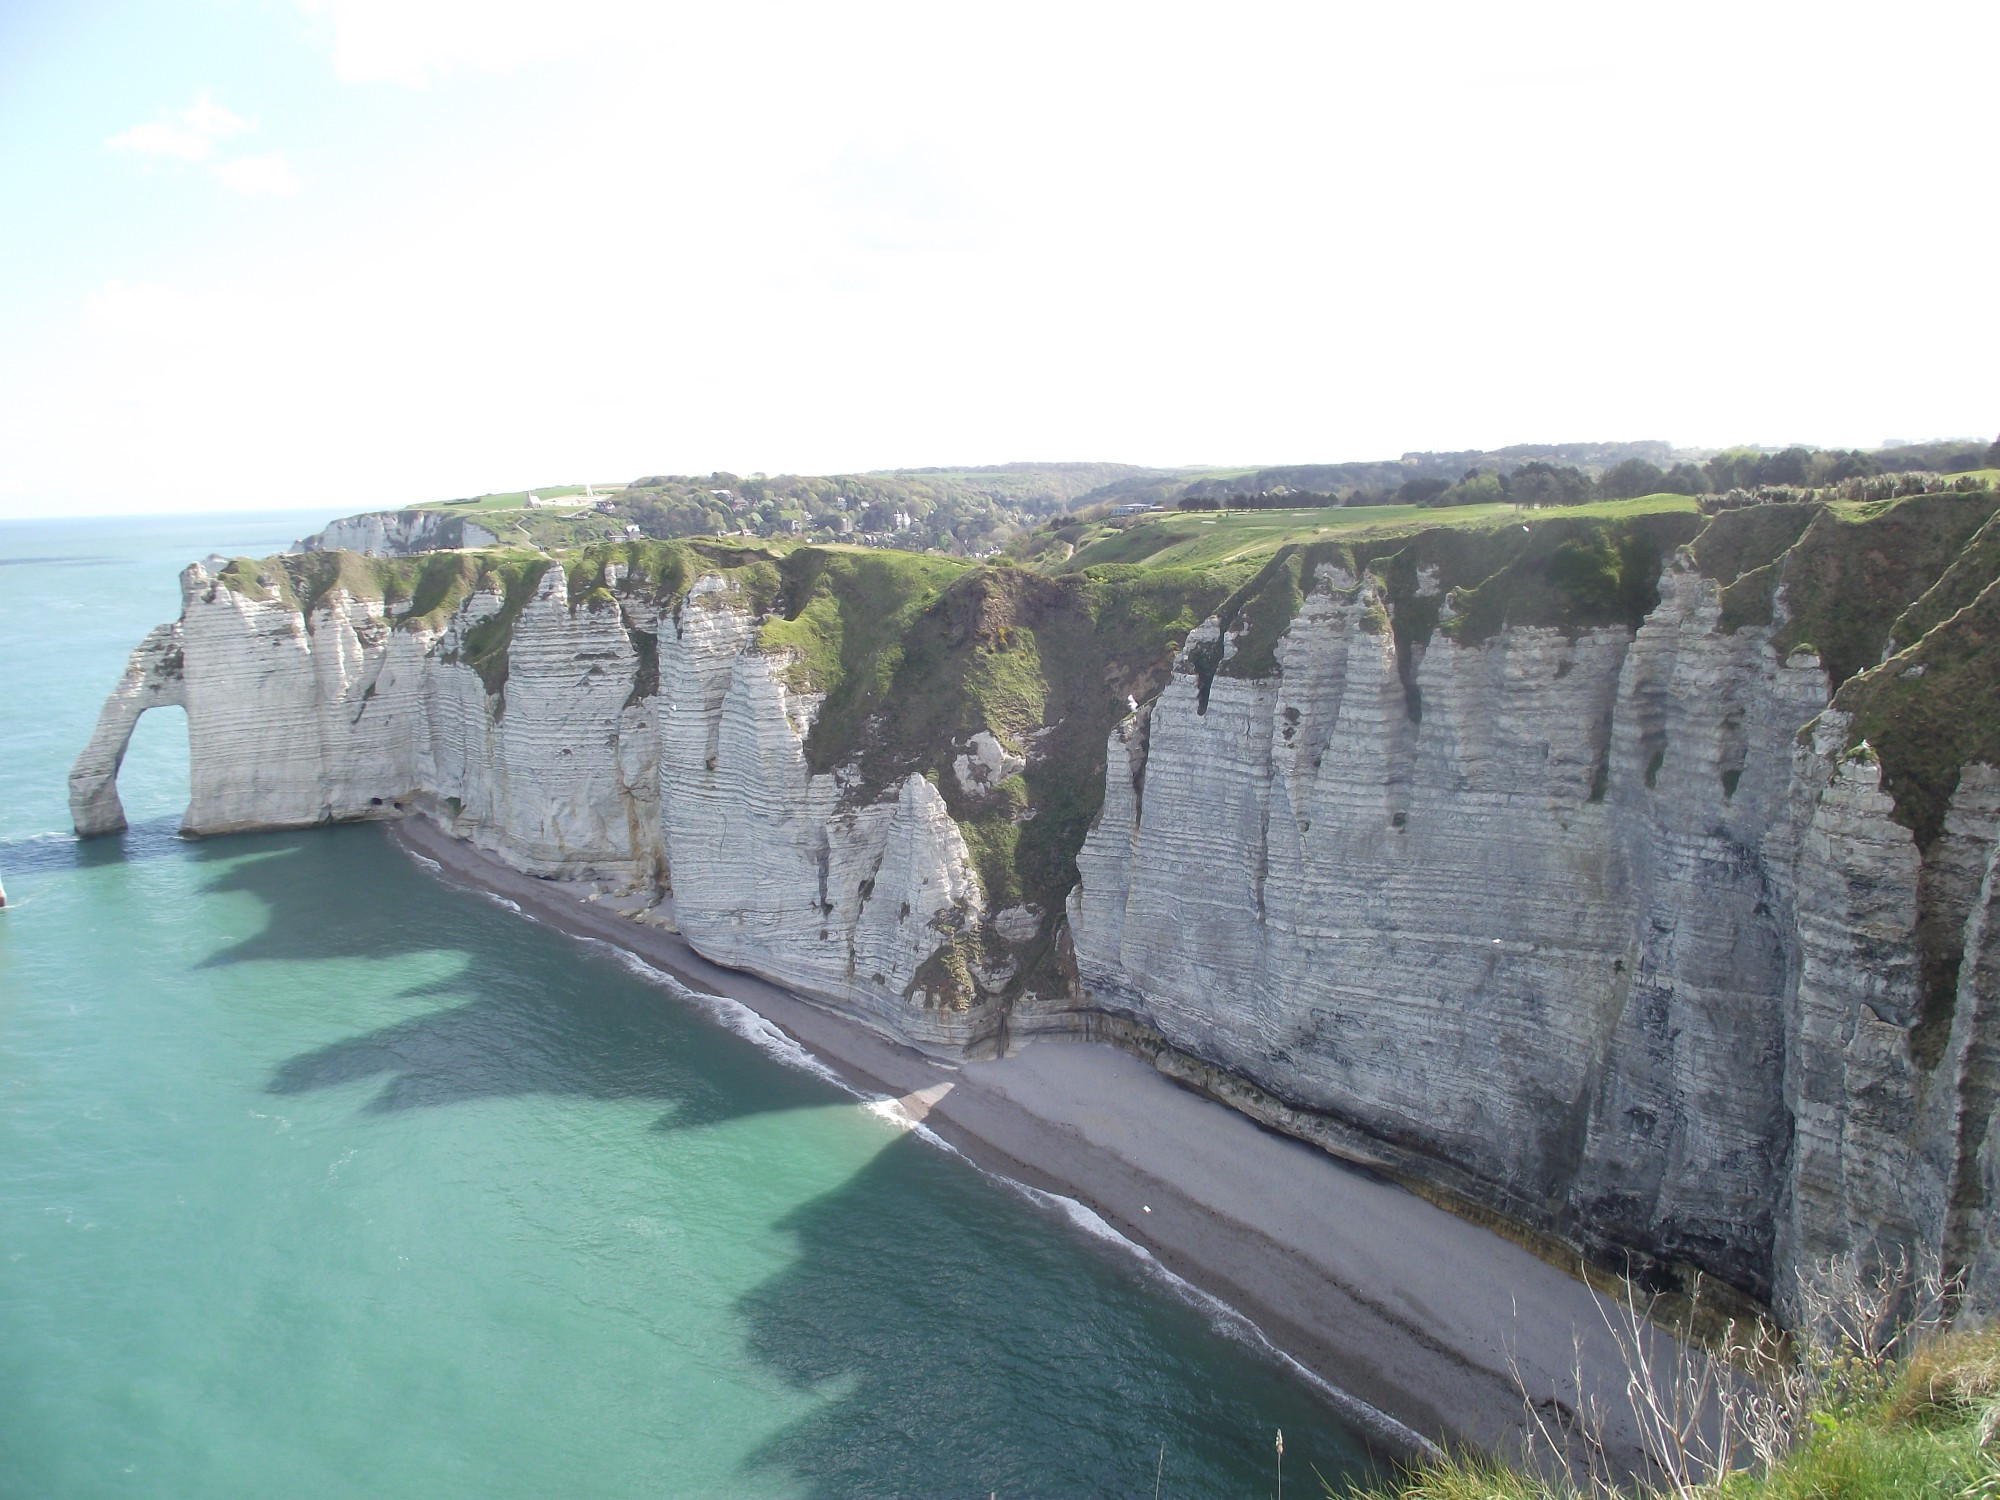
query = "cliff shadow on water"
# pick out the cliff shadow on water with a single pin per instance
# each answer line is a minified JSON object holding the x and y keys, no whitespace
{"x":501,"y":1029}
{"x":957,"y":1372}
{"x":952,"y":1337}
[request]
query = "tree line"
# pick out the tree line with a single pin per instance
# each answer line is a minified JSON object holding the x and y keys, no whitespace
{"x":1540,"y":483}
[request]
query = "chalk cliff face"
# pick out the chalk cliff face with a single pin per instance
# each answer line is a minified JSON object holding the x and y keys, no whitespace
{"x":773,"y":869}
{"x":1522,"y":942}
{"x":589,"y":758}
{"x":1607,"y":924}
{"x":399,"y":533}
{"x":1570,"y":925}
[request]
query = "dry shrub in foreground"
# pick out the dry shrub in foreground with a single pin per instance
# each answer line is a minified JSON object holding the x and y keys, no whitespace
{"x":1751,"y":1400}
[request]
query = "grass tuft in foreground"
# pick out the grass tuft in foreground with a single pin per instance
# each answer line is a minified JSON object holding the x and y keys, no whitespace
{"x":1875,"y":1399}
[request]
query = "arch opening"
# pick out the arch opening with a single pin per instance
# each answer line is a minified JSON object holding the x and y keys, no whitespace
{"x":152,"y":780}
{"x":153,"y":679}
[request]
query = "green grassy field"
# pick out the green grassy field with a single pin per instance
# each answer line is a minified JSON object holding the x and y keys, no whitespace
{"x":510,"y":499}
{"x":1209,"y":539}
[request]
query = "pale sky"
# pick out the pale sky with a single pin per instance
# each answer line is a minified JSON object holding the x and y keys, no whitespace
{"x":359,"y":253}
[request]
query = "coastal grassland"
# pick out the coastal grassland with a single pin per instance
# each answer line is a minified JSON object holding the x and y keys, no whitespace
{"x":556,"y":528}
{"x":1921,"y":1430}
{"x":510,"y":499}
{"x":1195,"y":538}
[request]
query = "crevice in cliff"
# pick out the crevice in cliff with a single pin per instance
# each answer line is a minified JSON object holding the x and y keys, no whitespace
{"x":646,"y":676}
{"x":1977,"y":1080}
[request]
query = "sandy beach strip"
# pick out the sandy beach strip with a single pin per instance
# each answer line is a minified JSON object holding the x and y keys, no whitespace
{"x":1419,"y":1316}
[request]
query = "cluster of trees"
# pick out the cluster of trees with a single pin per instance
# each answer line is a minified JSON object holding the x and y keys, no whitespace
{"x":1539,"y":483}
{"x":1501,"y":477}
{"x":977,"y":511}
{"x":966,"y":511}
{"x":1536,"y":483}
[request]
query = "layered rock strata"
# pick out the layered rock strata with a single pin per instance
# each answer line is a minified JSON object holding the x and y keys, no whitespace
{"x":1605,"y":929}
{"x":1566,"y":924}
{"x":573,"y":765}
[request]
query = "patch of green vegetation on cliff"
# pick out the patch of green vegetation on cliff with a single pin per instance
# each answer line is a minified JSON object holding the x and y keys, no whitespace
{"x":419,"y":592}
{"x":1859,"y":566}
{"x":1742,"y":541}
{"x":916,"y":655}
{"x":484,"y":647}
{"x":842,"y":618}
{"x":303,"y":580}
{"x":992,"y":835}
{"x":1575,"y":576}
{"x":1931,"y":710}
{"x":260,"y":578}
{"x":661,"y":572}
{"x":1976,"y":565}
{"x":1750,"y":599}
{"x":1923,"y":715}
{"x":443,"y":583}
{"x":1558,"y":570}
{"x":1258,"y":614}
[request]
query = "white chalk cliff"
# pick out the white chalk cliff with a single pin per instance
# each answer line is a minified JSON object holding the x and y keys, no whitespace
{"x":399,"y":533}
{"x":572,"y":767}
{"x":1576,"y":926}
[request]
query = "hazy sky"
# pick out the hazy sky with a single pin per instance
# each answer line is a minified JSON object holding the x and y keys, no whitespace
{"x":365,"y":252}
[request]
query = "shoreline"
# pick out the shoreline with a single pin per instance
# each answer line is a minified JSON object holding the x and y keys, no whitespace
{"x":1416,"y":1322}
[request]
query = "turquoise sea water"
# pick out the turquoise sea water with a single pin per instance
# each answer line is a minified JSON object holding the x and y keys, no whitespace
{"x":320,"y":1178}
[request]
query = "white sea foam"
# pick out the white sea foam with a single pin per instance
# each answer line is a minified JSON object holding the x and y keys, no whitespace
{"x":1223,"y":1318}
{"x":1226,"y":1320}
{"x":892,"y":1110}
{"x":731,"y":1015}
{"x":426,"y":861}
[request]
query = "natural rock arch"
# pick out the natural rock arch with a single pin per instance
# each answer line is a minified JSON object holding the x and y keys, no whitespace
{"x":153,"y":676}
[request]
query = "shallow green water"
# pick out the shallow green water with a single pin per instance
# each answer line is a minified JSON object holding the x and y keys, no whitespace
{"x":318,"y":1177}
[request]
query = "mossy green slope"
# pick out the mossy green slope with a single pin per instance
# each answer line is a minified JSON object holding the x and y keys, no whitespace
{"x":1932,"y":709}
{"x":915,"y":656}
{"x":1857,"y":568}
{"x":1908,"y":579}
